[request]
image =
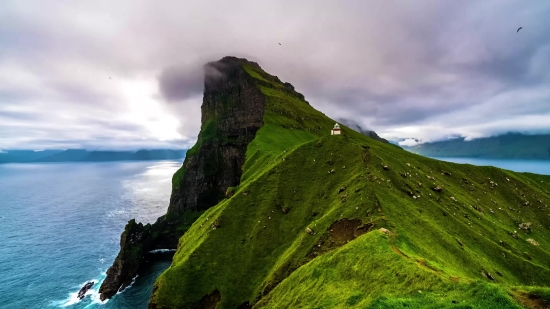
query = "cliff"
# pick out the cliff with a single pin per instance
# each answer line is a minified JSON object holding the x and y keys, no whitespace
{"x":506,"y":146}
{"x":310,"y":220}
{"x":232,"y":112}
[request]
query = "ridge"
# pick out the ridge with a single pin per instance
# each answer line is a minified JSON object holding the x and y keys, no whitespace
{"x":296,"y":217}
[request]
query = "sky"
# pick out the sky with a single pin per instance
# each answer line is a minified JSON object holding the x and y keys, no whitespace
{"x":127,"y":74}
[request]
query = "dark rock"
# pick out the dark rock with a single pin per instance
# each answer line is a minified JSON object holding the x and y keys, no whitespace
{"x":216,"y":224}
{"x":338,"y":234}
{"x":488,"y":275}
{"x":286,"y":209}
{"x":128,"y":261}
{"x":245,"y":305}
{"x":526,"y":227}
{"x":209,"y":301}
{"x":229,"y":192}
{"x":85,"y":289}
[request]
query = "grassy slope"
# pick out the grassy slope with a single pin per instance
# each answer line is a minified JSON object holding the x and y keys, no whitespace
{"x":288,"y":164}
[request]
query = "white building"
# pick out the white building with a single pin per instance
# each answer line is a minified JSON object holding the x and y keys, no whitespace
{"x":336,"y":130}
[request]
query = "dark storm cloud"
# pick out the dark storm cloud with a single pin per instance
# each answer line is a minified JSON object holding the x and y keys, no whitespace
{"x":406,"y":69}
{"x":180,"y":83}
{"x":177,"y":83}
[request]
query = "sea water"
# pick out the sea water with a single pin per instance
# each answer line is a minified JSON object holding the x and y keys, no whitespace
{"x":60,"y":227}
{"x":523,"y":166}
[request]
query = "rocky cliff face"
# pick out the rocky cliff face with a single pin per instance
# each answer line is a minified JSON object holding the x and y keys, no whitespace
{"x":232,"y":113}
{"x":128,"y":262}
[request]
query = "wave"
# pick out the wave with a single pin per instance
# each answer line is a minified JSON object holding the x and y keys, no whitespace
{"x":129,"y":286}
{"x":92,"y":294}
{"x":162,"y":250}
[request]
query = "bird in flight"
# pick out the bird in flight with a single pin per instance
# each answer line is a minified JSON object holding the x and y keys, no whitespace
{"x":519,"y":29}
{"x":279,"y":43}
{"x":109,"y":77}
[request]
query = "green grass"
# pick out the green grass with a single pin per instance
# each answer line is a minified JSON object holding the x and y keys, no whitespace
{"x":261,"y":253}
{"x":366,"y":273}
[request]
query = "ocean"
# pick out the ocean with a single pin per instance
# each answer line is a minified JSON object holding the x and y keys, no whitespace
{"x":60,"y":227}
{"x":523,"y":166}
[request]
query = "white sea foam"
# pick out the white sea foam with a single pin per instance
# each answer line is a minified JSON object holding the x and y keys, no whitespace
{"x":92,"y":293}
{"x":162,"y":250}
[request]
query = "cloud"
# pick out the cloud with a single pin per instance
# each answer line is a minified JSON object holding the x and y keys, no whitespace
{"x":180,"y":83}
{"x":408,"y":142}
{"x":425,"y":70}
{"x":177,"y":83}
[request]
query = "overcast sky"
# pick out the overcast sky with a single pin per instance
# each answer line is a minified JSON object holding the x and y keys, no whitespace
{"x":126,"y":74}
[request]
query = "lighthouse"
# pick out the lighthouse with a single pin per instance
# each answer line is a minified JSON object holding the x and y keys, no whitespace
{"x":336,"y":130}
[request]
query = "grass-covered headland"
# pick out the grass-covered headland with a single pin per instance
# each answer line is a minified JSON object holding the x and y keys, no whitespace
{"x":321,"y":221}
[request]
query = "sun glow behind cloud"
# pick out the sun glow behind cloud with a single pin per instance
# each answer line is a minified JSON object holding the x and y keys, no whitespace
{"x":473,"y":75}
{"x":148,"y":112}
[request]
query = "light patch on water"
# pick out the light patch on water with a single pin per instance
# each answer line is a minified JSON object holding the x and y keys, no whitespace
{"x":117,"y":213}
{"x":161,"y":169}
